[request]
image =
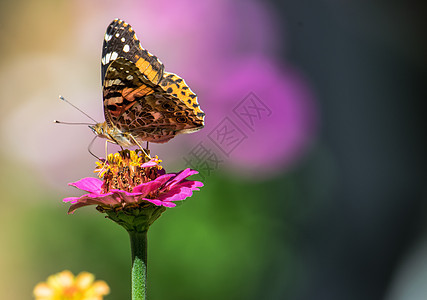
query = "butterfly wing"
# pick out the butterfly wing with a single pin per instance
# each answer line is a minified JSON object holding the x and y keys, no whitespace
{"x":139,"y":97}
{"x":135,"y":105}
{"x":175,"y":86}
{"x":124,"y":85}
{"x":159,"y":117}
{"x":120,"y":41}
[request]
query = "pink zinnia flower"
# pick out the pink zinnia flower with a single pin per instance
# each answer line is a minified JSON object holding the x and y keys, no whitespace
{"x":129,"y":181}
{"x":134,"y":191}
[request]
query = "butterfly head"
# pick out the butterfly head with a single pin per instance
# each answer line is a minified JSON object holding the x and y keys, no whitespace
{"x":100,"y":129}
{"x":97,"y":129}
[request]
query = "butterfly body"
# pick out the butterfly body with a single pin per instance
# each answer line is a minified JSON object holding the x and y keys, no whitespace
{"x":112,"y":134}
{"x":142,"y":102}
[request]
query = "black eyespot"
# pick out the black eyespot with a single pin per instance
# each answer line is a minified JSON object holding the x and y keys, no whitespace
{"x":166,"y":105}
{"x":178,"y":113}
{"x":181,"y":119}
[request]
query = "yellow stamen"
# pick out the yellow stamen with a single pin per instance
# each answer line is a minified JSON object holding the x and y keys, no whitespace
{"x":123,"y":170}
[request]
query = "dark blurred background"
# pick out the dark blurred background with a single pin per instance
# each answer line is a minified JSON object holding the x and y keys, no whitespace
{"x":323,"y":198}
{"x":364,"y":182}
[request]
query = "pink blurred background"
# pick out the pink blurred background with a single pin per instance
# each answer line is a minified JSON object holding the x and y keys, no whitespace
{"x":322,"y":197}
{"x":224,"y":50}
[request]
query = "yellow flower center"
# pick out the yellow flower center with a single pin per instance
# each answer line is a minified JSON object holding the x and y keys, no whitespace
{"x":123,"y":171}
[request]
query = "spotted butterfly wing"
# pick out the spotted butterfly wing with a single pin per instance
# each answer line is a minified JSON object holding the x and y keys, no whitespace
{"x":120,"y":41}
{"x":142,"y":102}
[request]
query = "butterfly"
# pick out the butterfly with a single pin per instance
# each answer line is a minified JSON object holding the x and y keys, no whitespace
{"x":142,"y":102}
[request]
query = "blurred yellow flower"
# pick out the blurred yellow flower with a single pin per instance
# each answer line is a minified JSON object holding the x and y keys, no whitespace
{"x":64,"y":286}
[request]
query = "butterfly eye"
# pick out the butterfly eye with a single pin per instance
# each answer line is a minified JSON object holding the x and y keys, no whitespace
{"x":181,"y":119}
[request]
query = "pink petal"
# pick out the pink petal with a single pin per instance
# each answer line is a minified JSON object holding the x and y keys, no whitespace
{"x":192,"y":184}
{"x":71,"y":199}
{"x":161,"y":203}
{"x":126,"y":198}
{"x":176,"y":194}
{"x":151,"y":163}
{"x":88,"y":184}
{"x":168,"y":204}
{"x":73,"y":207}
{"x":145,"y":188}
{"x":77,"y":199}
{"x":109,"y":199}
{"x":154,"y":201}
{"x":124,"y":193}
{"x":181,"y":176}
{"x":181,"y":191}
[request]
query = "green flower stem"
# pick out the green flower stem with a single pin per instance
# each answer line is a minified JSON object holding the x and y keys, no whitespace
{"x":136,"y":221}
{"x":138,"y":242}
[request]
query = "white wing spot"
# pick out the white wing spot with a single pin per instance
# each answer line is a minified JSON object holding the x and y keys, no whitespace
{"x":129,"y":77}
{"x":114,"y":56}
{"x":126,"y":48}
{"x":123,"y":39}
{"x":106,"y":59}
{"x":109,"y":57}
{"x":107,"y":37}
{"x":117,"y":34}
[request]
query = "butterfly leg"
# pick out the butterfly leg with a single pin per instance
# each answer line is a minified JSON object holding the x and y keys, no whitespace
{"x":106,"y":151}
{"x":112,"y":142}
{"x":143,"y":150}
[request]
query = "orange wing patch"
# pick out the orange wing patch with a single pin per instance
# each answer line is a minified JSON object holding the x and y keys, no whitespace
{"x":175,"y":86}
{"x":132,"y":93}
{"x":146,"y":68}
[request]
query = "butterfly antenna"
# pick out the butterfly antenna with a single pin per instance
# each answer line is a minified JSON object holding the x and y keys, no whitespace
{"x":65,"y":100}
{"x":72,"y":123}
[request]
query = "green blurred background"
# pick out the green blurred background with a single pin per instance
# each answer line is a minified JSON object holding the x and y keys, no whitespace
{"x":323,"y":200}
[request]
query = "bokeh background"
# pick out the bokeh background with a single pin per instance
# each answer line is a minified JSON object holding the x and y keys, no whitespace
{"x":322,"y":195}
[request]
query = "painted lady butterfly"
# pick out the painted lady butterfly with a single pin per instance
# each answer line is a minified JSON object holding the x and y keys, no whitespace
{"x":142,"y":102}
